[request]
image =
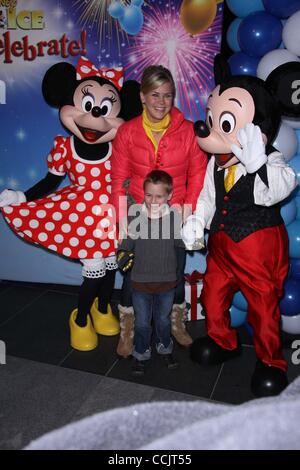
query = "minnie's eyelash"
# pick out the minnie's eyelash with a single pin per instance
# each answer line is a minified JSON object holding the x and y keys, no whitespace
{"x":85,"y":91}
{"x":112,"y":98}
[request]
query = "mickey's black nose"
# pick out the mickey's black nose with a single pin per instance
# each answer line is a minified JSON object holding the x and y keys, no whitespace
{"x":201,"y":129}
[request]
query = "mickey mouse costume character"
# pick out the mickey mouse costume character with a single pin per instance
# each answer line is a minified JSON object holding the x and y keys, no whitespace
{"x":77,"y":221}
{"x":248,"y":244}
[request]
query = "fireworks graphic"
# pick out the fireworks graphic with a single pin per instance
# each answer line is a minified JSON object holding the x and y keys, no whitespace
{"x":163,"y":40}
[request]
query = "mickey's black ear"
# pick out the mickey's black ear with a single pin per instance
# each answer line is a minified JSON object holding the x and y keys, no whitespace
{"x":284,"y":84}
{"x":222,"y":71}
{"x":131,"y":105}
{"x":59,"y":84}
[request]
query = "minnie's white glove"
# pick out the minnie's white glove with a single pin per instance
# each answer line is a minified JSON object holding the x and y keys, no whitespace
{"x":253,"y":152}
{"x":8,"y":197}
{"x":192,"y":233}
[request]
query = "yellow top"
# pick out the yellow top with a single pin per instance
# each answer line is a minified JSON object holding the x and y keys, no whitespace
{"x":151,"y":127}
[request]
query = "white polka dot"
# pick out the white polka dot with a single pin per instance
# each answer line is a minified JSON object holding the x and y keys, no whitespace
{"x":105,"y":245}
{"x":68,"y":164}
{"x":89,"y":243}
{"x":72,"y":196}
{"x":96,"y":210}
{"x":17,"y":222}
{"x":28,"y":233}
{"x":96,"y":185}
{"x":56,"y":198}
{"x":119,"y":69}
{"x":107,"y":164}
{"x":81,"y":207}
{"x":33,"y":223}
{"x":49,"y":226}
{"x":56,"y":156}
{"x":8,"y":210}
{"x":74,"y":241}
{"x":31,"y":204}
{"x":52,"y":247}
{"x":88,"y":196}
{"x":67,"y":251}
{"x":73,"y":217}
{"x":82,"y":253}
{"x":82,"y":180}
{"x":112,"y":253}
{"x":21,"y":234}
{"x":105,"y":223}
{"x":49,"y":205}
{"x":80,"y":167}
{"x":120,"y":82}
{"x":95,"y":171}
{"x":61,"y":168}
{"x":57,"y":216}
{"x":71,"y":176}
{"x":42,"y":237}
{"x":49,"y":158}
{"x":88,"y":220}
{"x":111,"y":235}
{"x":110,"y":74}
{"x":108,"y":188}
{"x":108,"y":178}
{"x":66,"y":228}
{"x":110,"y":212}
{"x":24,"y":212}
{"x":98,"y":254}
{"x":97,"y":233}
{"x":103,"y":198}
{"x":65,"y":205}
{"x":81,"y":231}
{"x":41,"y":214}
{"x":85,"y":69}
{"x":59,"y":238}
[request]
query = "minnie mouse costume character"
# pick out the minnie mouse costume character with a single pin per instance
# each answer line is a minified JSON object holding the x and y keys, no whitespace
{"x":77,"y":221}
{"x":248,"y":244}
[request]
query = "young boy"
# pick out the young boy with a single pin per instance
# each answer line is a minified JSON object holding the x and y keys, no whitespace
{"x":150,"y":249}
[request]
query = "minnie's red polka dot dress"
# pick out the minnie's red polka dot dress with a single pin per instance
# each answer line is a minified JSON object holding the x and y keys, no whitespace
{"x":76,"y":221}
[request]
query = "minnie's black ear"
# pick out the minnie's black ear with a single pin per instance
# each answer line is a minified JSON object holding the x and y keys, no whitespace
{"x":222,"y":71}
{"x":131,"y":105}
{"x":59,"y":84}
{"x":284,"y":83}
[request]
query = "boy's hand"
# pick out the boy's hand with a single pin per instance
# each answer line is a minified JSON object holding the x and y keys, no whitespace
{"x":125,"y":260}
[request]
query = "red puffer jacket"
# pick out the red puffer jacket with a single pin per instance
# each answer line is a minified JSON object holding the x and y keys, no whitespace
{"x":133,"y":157}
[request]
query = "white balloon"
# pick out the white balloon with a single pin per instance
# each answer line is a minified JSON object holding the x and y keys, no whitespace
{"x":291,"y":324}
{"x":291,"y":33}
{"x":286,"y":141}
{"x":294,"y":123}
{"x":273,"y":59}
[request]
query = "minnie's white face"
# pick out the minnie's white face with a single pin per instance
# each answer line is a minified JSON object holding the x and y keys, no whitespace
{"x":93,"y":118}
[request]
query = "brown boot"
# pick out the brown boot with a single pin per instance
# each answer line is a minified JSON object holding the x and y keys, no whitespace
{"x":178,"y":326}
{"x":125,"y":344}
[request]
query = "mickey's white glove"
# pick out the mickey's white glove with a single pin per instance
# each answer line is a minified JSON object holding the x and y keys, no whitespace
{"x":192,"y":233}
{"x":8,"y":197}
{"x":253,"y":152}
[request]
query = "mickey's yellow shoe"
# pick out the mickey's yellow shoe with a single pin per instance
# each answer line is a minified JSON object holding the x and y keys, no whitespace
{"x":105,"y":324}
{"x":83,"y":338}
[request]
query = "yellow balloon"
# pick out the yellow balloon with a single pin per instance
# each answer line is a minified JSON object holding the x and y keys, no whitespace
{"x":197,"y":15}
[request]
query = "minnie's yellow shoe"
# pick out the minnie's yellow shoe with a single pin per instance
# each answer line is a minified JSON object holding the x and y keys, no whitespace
{"x":105,"y":324}
{"x":83,"y":338}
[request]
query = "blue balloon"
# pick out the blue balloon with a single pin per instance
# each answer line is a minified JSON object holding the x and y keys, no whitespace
{"x":259,"y":33}
{"x":116,"y":9}
{"x":239,"y":301}
{"x":282,"y":8}
{"x":295,"y":164}
{"x":242,"y":8}
{"x":290,"y":303}
{"x":132,"y":20}
{"x":248,"y":328}
{"x":294,"y":271}
{"x":294,"y":239}
{"x":289,"y":211}
{"x":243,"y":64}
{"x":231,"y":35}
{"x":237,"y":317}
{"x":297,"y":201}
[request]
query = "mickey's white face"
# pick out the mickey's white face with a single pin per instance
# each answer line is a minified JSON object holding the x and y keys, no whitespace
{"x":225,"y":115}
{"x":93,"y":118}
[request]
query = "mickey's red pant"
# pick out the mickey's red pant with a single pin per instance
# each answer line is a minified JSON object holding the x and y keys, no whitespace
{"x":257,"y":266}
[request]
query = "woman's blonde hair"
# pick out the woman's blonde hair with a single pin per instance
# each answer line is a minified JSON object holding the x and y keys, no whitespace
{"x":155,"y":76}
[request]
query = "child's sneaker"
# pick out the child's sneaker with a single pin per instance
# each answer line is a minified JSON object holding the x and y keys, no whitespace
{"x":138,"y":368}
{"x":170,"y":361}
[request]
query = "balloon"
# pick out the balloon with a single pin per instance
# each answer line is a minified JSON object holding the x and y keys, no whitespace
{"x":295,"y":164}
{"x":282,"y":8}
{"x":272,"y":60}
{"x":290,"y":303}
{"x":297,"y":200}
{"x":294,"y":240}
{"x":132,"y":20}
{"x":231,"y":35}
{"x":289,"y":211}
{"x":291,"y":324}
{"x":291,"y":34}
{"x":242,"y":8}
{"x":294,"y":123}
{"x":196,"y":16}
{"x":237,"y":317}
{"x":116,"y":9}
{"x":259,"y":33}
{"x":286,"y":141}
{"x":243,"y":64}
{"x":240,"y":302}
{"x":294,"y":271}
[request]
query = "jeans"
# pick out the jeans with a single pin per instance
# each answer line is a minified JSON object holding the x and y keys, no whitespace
{"x":126,"y":294}
{"x":159,"y":307}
